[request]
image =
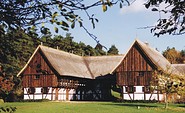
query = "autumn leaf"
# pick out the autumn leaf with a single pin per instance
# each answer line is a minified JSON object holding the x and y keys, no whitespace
{"x":56,"y":29}
{"x":104,"y":7}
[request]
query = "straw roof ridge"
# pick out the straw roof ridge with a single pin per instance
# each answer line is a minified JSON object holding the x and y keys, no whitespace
{"x":58,"y":51}
{"x":104,"y":56}
{"x":160,"y":61}
{"x":69,"y":64}
{"x":65,"y":63}
{"x":102,"y":65}
{"x":155,"y":56}
{"x":180,"y":68}
{"x":79,"y":66}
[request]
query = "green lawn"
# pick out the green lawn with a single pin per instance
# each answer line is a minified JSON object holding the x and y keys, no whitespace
{"x":92,"y":107}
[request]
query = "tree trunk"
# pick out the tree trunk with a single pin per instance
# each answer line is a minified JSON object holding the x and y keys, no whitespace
{"x":166,"y":101}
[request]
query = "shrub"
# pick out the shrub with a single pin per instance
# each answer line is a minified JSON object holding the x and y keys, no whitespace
{"x":8,"y":109}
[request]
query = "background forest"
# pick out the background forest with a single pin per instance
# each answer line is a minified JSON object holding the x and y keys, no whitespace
{"x":16,"y":47}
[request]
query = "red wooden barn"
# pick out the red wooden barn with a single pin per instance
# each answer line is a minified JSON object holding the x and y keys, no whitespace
{"x":58,"y":75}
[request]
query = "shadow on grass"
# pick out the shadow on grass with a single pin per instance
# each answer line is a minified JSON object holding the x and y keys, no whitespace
{"x":132,"y":104}
{"x":183,"y":106}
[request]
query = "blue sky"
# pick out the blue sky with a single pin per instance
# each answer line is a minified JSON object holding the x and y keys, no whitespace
{"x":120,"y":27}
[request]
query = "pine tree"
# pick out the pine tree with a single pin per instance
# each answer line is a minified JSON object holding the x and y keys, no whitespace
{"x":113,"y":50}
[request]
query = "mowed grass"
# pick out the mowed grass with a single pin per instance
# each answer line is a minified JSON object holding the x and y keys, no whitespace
{"x":93,"y":107}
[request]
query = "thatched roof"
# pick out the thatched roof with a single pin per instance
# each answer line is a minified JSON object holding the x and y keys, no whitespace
{"x":68,"y":64}
{"x":180,"y":68}
{"x":155,"y":56}
{"x":160,"y":61}
{"x":102,"y":65}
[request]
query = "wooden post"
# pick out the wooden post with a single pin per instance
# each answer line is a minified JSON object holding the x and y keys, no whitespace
{"x":34,"y":96}
{"x":144,"y":90}
{"x":158,"y":95}
{"x":84,"y":94}
{"x":42,"y":90}
{"x":27,"y":92}
{"x":52,"y":89}
{"x":122,"y":93}
{"x":56,"y":93}
{"x":52,"y":93}
{"x":67,"y":94}
{"x":130,"y":96}
{"x":80,"y":94}
{"x":151,"y":95}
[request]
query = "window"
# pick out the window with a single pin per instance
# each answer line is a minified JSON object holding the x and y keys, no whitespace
{"x":37,"y":76}
{"x":38,"y":68}
{"x":31,"y":90}
{"x":45,"y":90}
{"x":146,"y":89}
{"x":141,"y":73}
{"x":130,"y":89}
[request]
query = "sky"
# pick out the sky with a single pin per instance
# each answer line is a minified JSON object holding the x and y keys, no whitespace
{"x":119,"y":27}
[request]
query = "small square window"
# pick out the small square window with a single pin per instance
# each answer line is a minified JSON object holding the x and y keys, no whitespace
{"x":146,"y":89}
{"x":130,"y":89}
{"x":31,"y":90}
{"x":141,"y":73}
{"x":37,"y":76}
{"x":45,"y":90}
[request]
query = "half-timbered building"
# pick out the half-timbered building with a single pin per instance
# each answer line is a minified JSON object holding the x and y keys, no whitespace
{"x":57,"y":75}
{"x":135,"y":72}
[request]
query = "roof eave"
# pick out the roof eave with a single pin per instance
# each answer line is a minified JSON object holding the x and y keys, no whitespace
{"x":123,"y":56}
{"x":28,"y":61}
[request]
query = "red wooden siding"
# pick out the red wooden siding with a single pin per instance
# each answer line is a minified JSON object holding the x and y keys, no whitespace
{"x":135,"y":69}
{"x":38,"y":73}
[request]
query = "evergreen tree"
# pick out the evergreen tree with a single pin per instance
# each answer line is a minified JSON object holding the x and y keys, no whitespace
{"x":99,"y":50}
{"x":15,"y":49}
{"x":113,"y":50}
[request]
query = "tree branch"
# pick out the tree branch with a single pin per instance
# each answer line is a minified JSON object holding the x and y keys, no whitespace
{"x":93,"y":37}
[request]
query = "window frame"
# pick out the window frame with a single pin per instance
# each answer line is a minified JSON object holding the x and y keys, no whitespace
{"x":31,"y":90}
{"x":141,"y":73}
{"x":44,"y":90}
{"x":130,"y":89}
{"x":146,"y":89}
{"x":37,"y":76}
